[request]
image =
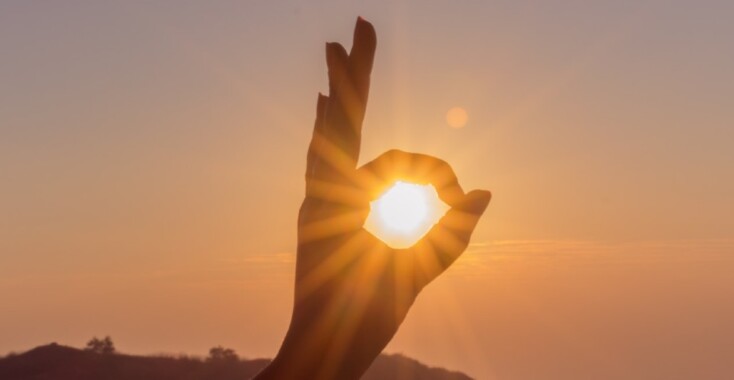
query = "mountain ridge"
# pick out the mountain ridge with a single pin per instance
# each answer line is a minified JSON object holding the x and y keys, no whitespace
{"x":58,"y":362}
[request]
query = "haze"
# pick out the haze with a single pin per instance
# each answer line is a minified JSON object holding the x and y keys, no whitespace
{"x":152,"y":160}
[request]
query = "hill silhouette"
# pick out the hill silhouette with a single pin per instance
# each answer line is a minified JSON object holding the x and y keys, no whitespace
{"x":59,"y":362}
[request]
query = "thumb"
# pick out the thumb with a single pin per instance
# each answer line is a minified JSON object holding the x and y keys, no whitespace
{"x":474,"y":202}
{"x":448,"y":239}
{"x":454,"y":230}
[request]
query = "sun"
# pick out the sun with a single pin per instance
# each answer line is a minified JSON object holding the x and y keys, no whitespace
{"x":404,"y":213}
{"x":403,"y":208}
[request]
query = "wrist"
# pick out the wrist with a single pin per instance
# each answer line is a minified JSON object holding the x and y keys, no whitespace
{"x":307,"y":354}
{"x":298,"y":358}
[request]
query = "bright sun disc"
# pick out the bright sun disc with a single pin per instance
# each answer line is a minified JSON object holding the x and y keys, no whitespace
{"x":404,"y":213}
{"x":403,"y":208}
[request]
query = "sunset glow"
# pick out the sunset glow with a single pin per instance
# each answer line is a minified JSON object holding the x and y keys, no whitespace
{"x":170,"y":171}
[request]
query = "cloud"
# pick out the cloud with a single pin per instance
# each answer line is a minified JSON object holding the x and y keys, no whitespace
{"x":483,"y":257}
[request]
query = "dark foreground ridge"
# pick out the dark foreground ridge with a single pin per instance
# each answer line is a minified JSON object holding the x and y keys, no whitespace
{"x":58,"y":362}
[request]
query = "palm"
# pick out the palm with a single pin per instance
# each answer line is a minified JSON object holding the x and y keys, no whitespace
{"x":352,"y":290}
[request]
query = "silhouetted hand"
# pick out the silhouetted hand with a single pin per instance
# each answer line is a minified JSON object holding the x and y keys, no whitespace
{"x":353,"y":291}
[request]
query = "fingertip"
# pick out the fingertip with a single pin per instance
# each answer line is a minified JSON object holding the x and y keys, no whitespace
{"x":363,"y":24}
{"x":476,"y":201}
{"x":484,"y":194}
{"x":334,"y":52}
{"x":365,"y":35}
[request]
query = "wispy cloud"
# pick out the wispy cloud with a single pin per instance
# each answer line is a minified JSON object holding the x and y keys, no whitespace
{"x":483,"y":256}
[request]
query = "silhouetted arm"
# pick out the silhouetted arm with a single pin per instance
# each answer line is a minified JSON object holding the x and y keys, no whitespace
{"x":352,"y":291}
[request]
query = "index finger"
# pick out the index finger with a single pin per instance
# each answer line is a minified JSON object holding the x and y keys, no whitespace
{"x":352,"y":90}
{"x":335,"y":147}
{"x":361,"y":59}
{"x":394,"y":165}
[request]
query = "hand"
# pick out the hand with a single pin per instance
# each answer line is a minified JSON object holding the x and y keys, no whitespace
{"x":353,"y":291}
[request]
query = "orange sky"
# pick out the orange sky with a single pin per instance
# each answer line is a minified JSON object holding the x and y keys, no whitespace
{"x":152,"y":157}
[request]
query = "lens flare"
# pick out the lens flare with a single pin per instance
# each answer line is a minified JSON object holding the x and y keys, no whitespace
{"x":457,"y":117}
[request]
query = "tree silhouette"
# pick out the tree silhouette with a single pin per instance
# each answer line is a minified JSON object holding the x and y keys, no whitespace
{"x":101,"y":346}
{"x":220,"y":354}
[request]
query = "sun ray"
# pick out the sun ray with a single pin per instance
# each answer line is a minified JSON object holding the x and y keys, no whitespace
{"x":335,"y":263}
{"x":359,"y":297}
{"x":331,"y":226}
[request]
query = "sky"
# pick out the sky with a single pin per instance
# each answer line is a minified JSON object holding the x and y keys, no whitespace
{"x":152,"y":159}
